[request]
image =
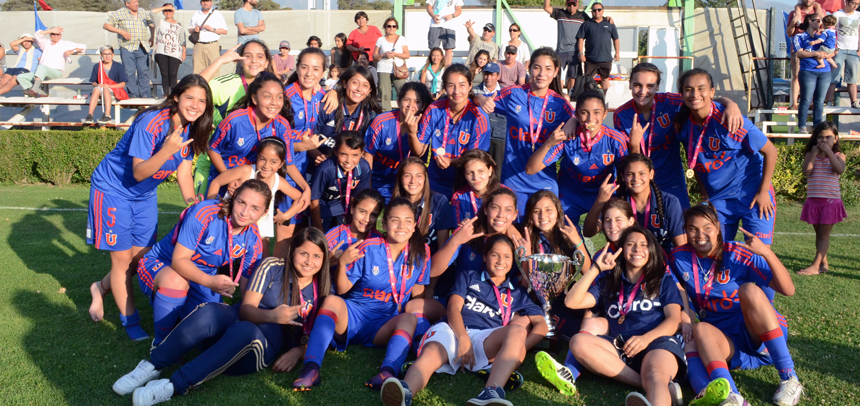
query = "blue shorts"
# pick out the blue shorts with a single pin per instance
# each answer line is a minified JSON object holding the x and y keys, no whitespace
{"x":732,"y":211}
{"x":147,"y":270}
{"x":362,"y":327}
{"x":117,"y":224}
{"x":567,"y":322}
{"x":747,"y":355}
{"x":674,"y":344}
{"x":575,"y":204}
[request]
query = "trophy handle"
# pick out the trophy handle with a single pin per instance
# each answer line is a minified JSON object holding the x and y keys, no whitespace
{"x":521,"y":252}
{"x":578,"y":257}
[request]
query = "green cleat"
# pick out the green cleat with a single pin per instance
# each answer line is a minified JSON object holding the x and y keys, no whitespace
{"x":714,"y":394}
{"x":557,"y":374}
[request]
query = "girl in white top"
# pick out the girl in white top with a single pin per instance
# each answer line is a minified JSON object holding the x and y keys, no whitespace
{"x":270,"y":169}
{"x":431,"y":73}
{"x":389,"y":47}
{"x":522,"y":48}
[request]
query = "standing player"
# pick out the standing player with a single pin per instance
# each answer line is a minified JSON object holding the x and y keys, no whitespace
{"x":123,"y":215}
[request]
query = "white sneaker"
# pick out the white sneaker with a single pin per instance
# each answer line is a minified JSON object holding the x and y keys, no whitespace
{"x":154,"y":392}
{"x":636,"y":399}
{"x":143,"y":373}
{"x":734,"y":400}
{"x":675,"y":394}
{"x":789,"y":392}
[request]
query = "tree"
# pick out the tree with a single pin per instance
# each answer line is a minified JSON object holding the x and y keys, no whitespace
{"x":263,"y":5}
{"x":364,"y":5}
{"x":66,"y":5}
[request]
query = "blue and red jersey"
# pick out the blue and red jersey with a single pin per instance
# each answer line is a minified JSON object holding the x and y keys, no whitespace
{"x":388,"y":148}
{"x":729,"y":164}
{"x":481,"y":308}
{"x":722,"y":304}
{"x":643,"y":313}
{"x":441,"y":218}
{"x":202,"y":230}
{"x":581,"y":171}
{"x":340,"y":238}
{"x":326,"y":124}
{"x":514,"y":102}
{"x":372,"y":282}
{"x":466,"y":203}
{"x":472,"y":131}
{"x":305,"y":113}
{"x":330,"y":182}
{"x":236,"y":139}
{"x":665,"y":151}
{"x":115,"y":173}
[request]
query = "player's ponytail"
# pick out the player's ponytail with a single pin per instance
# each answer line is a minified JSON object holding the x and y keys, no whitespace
{"x":417,"y":244}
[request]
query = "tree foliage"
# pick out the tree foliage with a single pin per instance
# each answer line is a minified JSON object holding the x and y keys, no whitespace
{"x":67,"y":5}
{"x":263,"y":5}
{"x":364,"y":5}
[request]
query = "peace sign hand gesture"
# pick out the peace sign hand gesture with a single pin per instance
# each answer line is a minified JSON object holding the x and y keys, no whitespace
{"x":558,"y":136}
{"x":351,"y":254}
{"x":754,"y":244}
{"x":231,"y":55}
{"x":606,"y":260}
{"x":525,"y":243}
{"x":637,"y":133}
{"x":466,"y":232}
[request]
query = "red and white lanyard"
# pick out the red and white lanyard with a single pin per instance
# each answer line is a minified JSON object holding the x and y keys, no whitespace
{"x":398,"y":299}
{"x":702,"y":297}
{"x":347,"y":115}
{"x":691,"y":159}
{"x":534,"y":135}
{"x":348,"y":189}
{"x":474,"y":202}
{"x":244,"y":83}
{"x":647,"y":209}
{"x":624,"y":309}
{"x":230,"y":251}
{"x":305,"y":311}
{"x":399,"y":142}
{"x":504,"y":308}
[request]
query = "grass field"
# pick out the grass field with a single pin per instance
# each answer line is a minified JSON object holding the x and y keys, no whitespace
{"x":51,"y":353}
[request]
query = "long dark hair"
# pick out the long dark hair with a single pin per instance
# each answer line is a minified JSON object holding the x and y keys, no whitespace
{"x":555,"y":84}
{"x":364,"y":194}
{"x":477,"y":155}
{"x":498,"y":239}
{"x":707,"y":211}
{"x":400,"y":191}
{"x":816,"y":132}
{"x":684,"y":113}
{"x":200,"y":128}
{"x":281,"y":149}
{"x":417,"y":246}
{"x":251,"y":184}
{"x":482,"y":224}
{"x":270,"y":65}
{"x":420,"y":90}
{"x":561,"y":245}
{"x":248,"y":101}
{"x":323,"y":279}
{"x":368,"y":105}
{"x":474,"y":63}
{"x":653,"y":270}
{"x":458,"y":69}
{"x":294,"y":77}
{"x":624,"y":193}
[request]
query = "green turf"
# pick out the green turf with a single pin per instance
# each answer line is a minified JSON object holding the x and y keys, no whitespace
{"x":51,"y":353}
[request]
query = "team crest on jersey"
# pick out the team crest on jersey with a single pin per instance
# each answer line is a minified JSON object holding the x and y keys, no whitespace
{"x":714,"y":143}
{"x":388,"y":141}
{"x":437,"y":133}
{"x":238,"y":251}
{"x":664,"y":121}
{"x":464,"y":137}
{"x":723,"y":277}
{"x":686,"y":276}
{"x":549,"y":116}
{"x":375,"y":270}
{"x":301,"y":115}
{"x":576,"y":160}
{"x":518,"y":109}
{"x":241,"y":142}
{"x":608,"y":158}
{"x":210,"y":239}
{"x":471,"y":256}
{"x":654,"y":222}
{"x":184,"y":151}
{"x":111,"y":239}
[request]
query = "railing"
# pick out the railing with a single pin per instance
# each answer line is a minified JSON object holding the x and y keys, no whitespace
{"x":749,"y":77}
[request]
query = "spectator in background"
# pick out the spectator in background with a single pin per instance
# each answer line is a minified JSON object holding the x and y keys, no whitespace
{"x":482,"y":58}
{"x":484,"y":42}
{"x":594,"y":42}
{"x":210,"y":30}
{"x":363,"y":38}
{"x":847,"y":58}
{"x":169,"y":48}
{"x":340,"y":56}
{"x":314,"y":42}
{"x":364,"y":60}
{"x":569,"y":21}
{"x":442,"y":32}
{"x":334,"y":72}
{"x":490,"y":86}
{"x":431,"y":73}
{"x":814,"y":81}
{"x":28,"y":60}
{"x":134,"y":29}
{"x":388,"y":48}
{"x":795,"y":18}
{"x":285,"y":63}
{"x":55,"y":53}
{"x":108,"y":79}
{"x":2,"y":57}
{"x":249,"y":22}
{"x":512,"y":71}
{"x":522,"y":47}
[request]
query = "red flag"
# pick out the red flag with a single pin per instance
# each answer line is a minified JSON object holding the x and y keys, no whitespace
{"x":44,"y":5}
{"x":831,"y":6}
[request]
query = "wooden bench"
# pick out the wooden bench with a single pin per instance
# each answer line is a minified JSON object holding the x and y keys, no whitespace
{"x":759,"y":118}
{"x":153,"y":83}
{"x":30,"y":104}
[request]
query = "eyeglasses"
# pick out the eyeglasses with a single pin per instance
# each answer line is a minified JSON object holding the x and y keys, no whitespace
{"x":513,"y":30}
{"x":390,"y":26}
{"x":596,"y":10}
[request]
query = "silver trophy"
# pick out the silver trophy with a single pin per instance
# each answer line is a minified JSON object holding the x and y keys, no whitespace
{"x":549,"y":276}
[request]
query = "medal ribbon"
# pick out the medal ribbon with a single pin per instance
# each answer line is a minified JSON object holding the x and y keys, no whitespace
{"x":399,"y":142}
{"x":534,"y":135}
{"x":230,"y":251}
{"x":346,"y":114}
{"x":393,"y":279}
{"x":629,"y":299}
{"x":647,"y":210}
{"x":448,"y":119}
{"x":244,"y":83}
{"x":504,"y":308}
{"x":647,"y":151}
{"x":691,"y":160}
{"x":586,"y":143}
{"x":348,"y":190}
{"x":702,"y":297}
{"x":474,"y":202}
{"x":254,"y":123}
{"x":307,"y":325}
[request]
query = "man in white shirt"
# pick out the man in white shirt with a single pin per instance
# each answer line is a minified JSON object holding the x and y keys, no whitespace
{"x":206,"y":49}
{"x":441,"y":27}
{"x":249,"y":22}
{"x":848,"y":57}
{"x":55,"y":55}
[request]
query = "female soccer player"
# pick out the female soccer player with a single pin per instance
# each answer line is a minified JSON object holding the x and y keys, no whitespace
{"x":123,"y":215}
{"x":731,"y":285}
{"x":450,"y":127}
{"x":357,"y":96}
{"x":477,"y":177}
{"x":277,"y":312}
{"x":733,"y":169}
{"x":660,"y":213}
{"x":435,"y":217}
{"x":477,"y":335}
{"x":590,"y":150}
{"x":643,"y":348}
{"x":210,"y":235}
{"x":360,"y":224}
{"x":370,"y":312}
{"x":390,"y":135}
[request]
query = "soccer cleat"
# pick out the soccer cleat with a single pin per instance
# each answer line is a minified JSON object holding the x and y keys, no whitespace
{"x":714,"y":394}
{"x":308,"y":378}
{"x":515,"y":381}
{"x":491,"y":395}
{"x":154,"y":392}
{"x":395,"y":393}
{"x":789,"y":392}
{"x":376,"y":382}
{"x":405,"y":367}
{"x":143,"y":373}
{"x":557,"y":374}
{"x":734,"y":399}
{"x":675,"y":394}
{"x":636,"y":399}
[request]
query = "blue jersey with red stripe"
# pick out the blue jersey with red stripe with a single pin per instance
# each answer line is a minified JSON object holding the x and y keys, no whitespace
{"x":202,"y":230}
{"x":305,"y":113}
{"x":582,"y":172}
{"x":481,"y":309}
{"x":461,"y":202}
{"x":739,"y":266}
{"x":665,"y":151}
{"x":388,"y":149}
{"x":115,"y":173}
{"x":730,"y":164}
{"x":236,"y":140}
{"x":470,"y":132}
{"x":340,"y":238}
{"x":371,"y":280}
{"x":330,"y":182}
{"x":514,"y":102}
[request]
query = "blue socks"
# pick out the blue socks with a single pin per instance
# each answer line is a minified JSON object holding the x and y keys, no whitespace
{"x":132,"y":326}
{"x":165,"y":311}
{"x":320,"y":337}
{"x":775,"y":343}
{"x":420,"y":328}
{"x":398,"y":348}
{"x":572,"y":364}
{"x":719,"y":369}
{"x":696,"y":373}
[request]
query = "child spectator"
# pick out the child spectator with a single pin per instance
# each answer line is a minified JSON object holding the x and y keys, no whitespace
{"x":337,"y":179}
{"x":333,"y":74}
{"x":827,"y":39}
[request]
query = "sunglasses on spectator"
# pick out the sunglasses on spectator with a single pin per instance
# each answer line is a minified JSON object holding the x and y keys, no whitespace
{"x":390,"y":26}
{"x":596,"y":10}
{"x":513,"y":30}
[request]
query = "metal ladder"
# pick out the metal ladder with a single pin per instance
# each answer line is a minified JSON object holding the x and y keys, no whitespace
{"x":750,"y":43}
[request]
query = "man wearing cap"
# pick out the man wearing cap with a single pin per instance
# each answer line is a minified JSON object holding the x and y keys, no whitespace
{"x":513,"y":72}
{"x":569,"y":20}
{"x":28,"y":60}
{"x":441,"y":33}
{"x":484,"y":41}
{"x":594,"y":42}
{"x":210,"y":31}
{"x":55,"y":54}
{"x":285,"y":63}
{"x":490,"y":86}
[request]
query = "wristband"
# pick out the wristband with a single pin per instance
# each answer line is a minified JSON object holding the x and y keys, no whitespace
{"x":581,"y":240}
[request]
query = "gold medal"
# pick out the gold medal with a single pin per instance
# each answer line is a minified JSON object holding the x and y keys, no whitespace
{"x":440,"y":151}
{"x":702,"y":314}
{"x":621,"y":319}
{"x":689,"y":173}
{"x":304,"y":340}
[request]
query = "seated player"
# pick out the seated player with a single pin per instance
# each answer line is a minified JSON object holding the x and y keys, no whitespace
{"x":336,"y":179}
{"x":359,"y":225}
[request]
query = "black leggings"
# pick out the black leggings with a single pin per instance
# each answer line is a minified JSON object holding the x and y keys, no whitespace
{"x":169,"y":66}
